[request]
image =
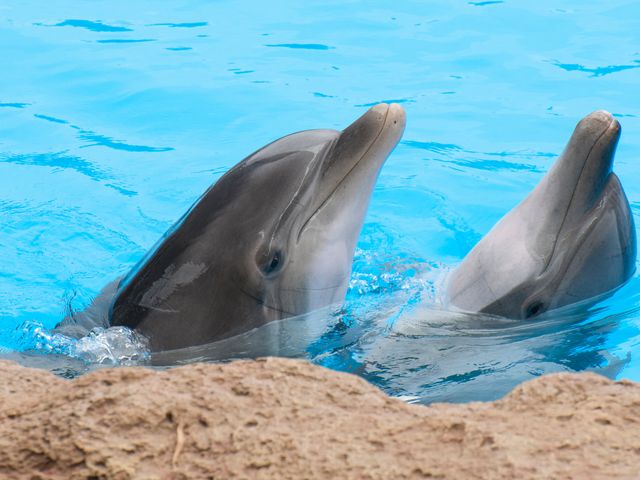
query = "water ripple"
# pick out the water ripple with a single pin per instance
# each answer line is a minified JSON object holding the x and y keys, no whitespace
{"x":433,"y":146}
{"x":302,"y":46}
{"x":50,"y":119}
{"x":57,"y":160}
{"x":451,"y":153}
{"x":14,"y":105}
{"x":596,"y":71}
{"x":89,"y":25}
{"x":104,"y":141}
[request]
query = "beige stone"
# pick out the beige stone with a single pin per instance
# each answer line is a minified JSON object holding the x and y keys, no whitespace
{"x":281,"y":419}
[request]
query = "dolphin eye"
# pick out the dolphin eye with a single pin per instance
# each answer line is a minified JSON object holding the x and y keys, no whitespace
{"x":274,"y":263}
{"x":534,"y":309}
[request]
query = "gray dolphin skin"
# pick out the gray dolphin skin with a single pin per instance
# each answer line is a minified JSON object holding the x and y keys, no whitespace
{"x":272,"y":238}
{"x":572,"y":239}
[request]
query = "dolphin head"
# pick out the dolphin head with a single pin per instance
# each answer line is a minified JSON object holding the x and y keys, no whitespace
{"x":305,"y":260}
{"x":273,"y":238}
{"x":570,"y":240}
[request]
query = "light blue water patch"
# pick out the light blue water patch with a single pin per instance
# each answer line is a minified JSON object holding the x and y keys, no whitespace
{"x":180,"y":25}
{"x":126,"y":40}
{"x":113,"y":120}
{"x":301,"y":46}
{"x":394,"y":100}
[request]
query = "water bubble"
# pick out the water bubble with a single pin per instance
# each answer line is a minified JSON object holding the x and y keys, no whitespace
{"x":112,"y":346}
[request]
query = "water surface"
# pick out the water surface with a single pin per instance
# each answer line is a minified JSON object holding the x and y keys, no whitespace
{"x":115,"y":117}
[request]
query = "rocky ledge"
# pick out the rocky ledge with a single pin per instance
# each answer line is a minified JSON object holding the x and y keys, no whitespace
{"x":277,"y":418}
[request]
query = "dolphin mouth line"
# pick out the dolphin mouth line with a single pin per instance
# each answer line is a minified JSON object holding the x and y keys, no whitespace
{"x":262,"y":302}
{"x":573,"y":193}
{"x":324,"y":202}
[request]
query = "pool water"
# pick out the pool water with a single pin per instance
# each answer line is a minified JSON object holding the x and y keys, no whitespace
{"x":115,"y":116}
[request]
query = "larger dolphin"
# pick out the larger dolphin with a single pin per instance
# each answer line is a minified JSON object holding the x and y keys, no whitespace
{"x":273,"y":238}
{"x":570,"y":240}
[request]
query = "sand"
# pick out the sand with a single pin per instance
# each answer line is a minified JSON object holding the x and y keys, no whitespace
{"x":281,"y":419}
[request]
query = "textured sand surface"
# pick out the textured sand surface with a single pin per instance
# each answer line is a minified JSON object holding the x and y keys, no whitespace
{"x":279,"y":419}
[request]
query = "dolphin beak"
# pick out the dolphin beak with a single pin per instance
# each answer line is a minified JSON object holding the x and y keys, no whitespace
{"x":350,"y":169}
{"x":370,"y":139}
{"x":575,"y":183}
{"x":588,"y":160}
{"x":578,"y":178}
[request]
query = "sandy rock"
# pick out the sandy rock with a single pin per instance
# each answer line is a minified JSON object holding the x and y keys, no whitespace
{"x":279,"y":419}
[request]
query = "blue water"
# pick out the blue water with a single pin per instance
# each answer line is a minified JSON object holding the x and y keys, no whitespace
{"x":115,"y":116}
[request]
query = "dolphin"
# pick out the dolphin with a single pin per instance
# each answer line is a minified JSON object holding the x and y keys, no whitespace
{"x":571,"y":240}
{"x":273,"y":238}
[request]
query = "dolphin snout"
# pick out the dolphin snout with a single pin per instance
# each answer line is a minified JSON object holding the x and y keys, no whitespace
{"x":578,"y":179}
{"x":379,"y":109}
{"x":588,"y":158}
{"x":387,"y":121}
{"x":350,"y":169}
{"x":598,"y":123}
{"x":383,"y":118}
{"x":388,"y":111}
{"x":367,"y":141}
{"x":599,"y":115}
{"x":599,"y":132}
{"x":396,"y":119}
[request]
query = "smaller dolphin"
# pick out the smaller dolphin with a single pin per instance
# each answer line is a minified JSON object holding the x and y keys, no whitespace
{"x":272,"y":238}
{"x":572,"y":239}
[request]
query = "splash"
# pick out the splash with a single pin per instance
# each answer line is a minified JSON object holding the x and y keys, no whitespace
{"x":115,"y":346}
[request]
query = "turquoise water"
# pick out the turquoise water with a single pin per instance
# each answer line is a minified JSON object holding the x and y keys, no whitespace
{"x":115,"y":116}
